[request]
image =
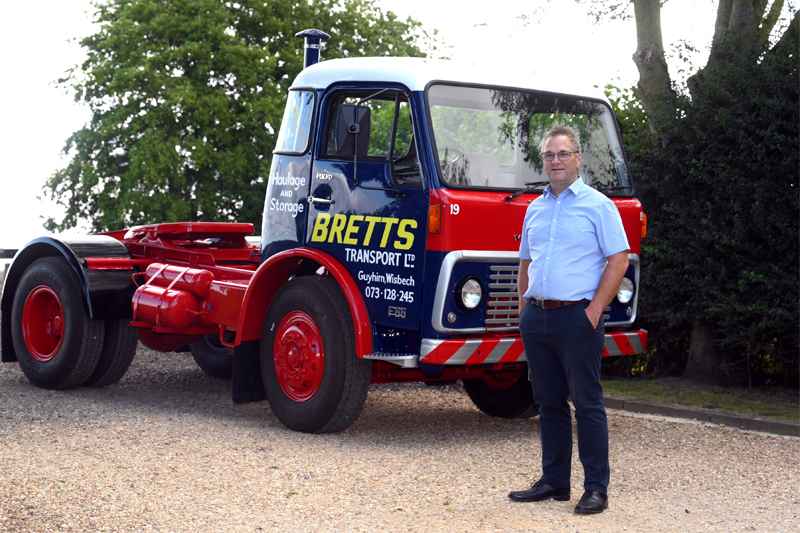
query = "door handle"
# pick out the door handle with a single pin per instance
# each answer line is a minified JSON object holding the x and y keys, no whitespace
{"x":324,"y":201}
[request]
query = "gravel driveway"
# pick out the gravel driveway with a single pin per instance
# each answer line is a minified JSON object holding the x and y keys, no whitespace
{"x":167,"y":450}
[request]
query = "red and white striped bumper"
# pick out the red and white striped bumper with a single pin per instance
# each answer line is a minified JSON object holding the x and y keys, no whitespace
{"x":625,"y":343}
{"x":478,"y":351}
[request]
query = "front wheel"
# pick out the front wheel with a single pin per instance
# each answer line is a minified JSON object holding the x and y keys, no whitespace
{"x":57,"y":344}
{"x":503,"y":394}
{"x":314,"y":381}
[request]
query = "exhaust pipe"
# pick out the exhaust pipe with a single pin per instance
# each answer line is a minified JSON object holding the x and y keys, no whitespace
{"x":313,"y":38}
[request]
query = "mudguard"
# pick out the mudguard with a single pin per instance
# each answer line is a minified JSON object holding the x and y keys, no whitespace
{"x":276,"y":270}
{"x":106,"y":293}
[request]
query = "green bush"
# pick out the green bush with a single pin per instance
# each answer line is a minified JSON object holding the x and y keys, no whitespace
{"x":720,"y":188}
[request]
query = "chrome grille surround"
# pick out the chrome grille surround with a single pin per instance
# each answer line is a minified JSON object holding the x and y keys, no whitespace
{"x":502,"y":299}
{"x":505,"y":282}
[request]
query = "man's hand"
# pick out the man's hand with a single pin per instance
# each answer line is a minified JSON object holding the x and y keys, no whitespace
{"x":609,"y":283}
{"x":593,"y":316}
{"x":522,"y":282}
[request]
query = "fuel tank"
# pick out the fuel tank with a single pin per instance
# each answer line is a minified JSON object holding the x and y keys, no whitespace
{"x":164,"y":307}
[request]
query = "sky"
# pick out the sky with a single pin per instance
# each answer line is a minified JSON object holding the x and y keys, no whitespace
{"x":37,"y":117}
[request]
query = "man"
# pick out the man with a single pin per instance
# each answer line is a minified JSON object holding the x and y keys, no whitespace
{"x":573,"y":256}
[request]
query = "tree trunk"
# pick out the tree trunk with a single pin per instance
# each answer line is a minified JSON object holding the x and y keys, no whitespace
{"x":741,"y":34}
{"x":708,"y":364}
{"x":655,"y":87}
{"x":788,"y":43}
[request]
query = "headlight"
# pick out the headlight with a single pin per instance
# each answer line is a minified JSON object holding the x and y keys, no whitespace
{"x":468,"y":293}
{"x":625,"y":291}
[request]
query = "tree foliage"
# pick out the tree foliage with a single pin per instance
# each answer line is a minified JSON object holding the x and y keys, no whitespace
{"x":718,"y":175}
{"x":186,"y":100}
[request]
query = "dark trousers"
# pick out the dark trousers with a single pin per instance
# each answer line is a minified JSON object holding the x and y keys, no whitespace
{"x":564,"y":354}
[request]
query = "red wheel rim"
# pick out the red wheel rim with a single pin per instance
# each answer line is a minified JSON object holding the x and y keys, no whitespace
{"x":501,"y":381}
{"x":43,"y":323}
{"x":299,"y":356}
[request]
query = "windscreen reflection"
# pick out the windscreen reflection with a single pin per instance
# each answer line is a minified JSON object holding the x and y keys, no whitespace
{"x":489,"y":138}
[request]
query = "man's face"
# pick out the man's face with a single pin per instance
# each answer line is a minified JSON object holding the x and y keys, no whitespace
{"x":562,"y":174}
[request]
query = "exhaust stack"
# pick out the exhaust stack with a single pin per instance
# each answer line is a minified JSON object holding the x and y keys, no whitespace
{"x":313,"y":39}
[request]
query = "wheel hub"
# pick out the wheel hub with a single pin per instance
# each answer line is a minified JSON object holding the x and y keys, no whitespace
{"x":299,"y":356}
{"x":43,"y":323}
{"x":501,"y":380}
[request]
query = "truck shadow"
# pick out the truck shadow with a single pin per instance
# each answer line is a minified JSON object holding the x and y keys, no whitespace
{"x":172,"y":386}
{"x":413,"y":412}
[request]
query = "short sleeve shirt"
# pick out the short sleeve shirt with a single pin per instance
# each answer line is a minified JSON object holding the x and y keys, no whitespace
{"x":567,"y":239}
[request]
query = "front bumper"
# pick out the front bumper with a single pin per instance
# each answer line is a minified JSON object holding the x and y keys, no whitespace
{"x":490,"y":350}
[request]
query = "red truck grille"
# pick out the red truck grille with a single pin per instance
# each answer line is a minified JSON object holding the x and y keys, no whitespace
{"x":502,"y":305}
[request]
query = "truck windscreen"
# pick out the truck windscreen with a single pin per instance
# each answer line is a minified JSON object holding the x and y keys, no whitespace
{"x":489,"y":138}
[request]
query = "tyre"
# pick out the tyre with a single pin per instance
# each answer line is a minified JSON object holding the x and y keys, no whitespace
{"x":212,"y":357}
{"x":57,"y":344}
{"x":503,"y":394}
{"x":119,"y":348}
{"x":314,"y":381}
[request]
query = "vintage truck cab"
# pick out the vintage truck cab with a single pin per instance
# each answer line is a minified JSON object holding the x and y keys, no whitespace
{"x":388,"y":250}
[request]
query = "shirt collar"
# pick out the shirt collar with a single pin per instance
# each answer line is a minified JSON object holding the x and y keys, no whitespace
{"x":576,"y":188}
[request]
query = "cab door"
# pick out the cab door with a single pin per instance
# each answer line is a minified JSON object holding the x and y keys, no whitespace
{"x":368,"y":204}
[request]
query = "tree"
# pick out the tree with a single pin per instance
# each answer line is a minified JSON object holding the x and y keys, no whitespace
{"x":187,"y":98}
{"x":742,"y":31}
{"x":718,"y":175}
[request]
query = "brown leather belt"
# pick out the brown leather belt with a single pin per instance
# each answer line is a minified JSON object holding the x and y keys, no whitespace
{"x":555,"y":304}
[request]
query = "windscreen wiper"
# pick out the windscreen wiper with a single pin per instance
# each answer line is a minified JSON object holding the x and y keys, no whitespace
{"x":616,"y":188}
{"x":532,"y":186}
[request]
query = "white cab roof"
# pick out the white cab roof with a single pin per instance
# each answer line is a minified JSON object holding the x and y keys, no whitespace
{"x":415,"y":73}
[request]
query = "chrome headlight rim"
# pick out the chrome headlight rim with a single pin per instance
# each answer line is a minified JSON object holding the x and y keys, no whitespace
{"x":468,"y":293}
{"x":626,"y":290}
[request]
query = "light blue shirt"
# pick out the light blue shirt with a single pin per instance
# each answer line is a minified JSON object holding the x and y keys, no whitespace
{"x":567,"y":238}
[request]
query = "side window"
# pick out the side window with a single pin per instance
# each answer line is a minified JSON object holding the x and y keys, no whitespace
{"x":295,"y":132}
{"x":385,"y":133}
{"x":405,"y":164}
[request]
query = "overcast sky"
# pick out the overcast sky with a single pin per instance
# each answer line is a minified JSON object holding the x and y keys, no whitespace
{"x":37,"y":117}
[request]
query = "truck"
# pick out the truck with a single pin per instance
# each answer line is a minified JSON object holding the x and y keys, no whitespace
{"x":388,"y":251}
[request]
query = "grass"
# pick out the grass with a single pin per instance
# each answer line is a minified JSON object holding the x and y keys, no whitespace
{"x":763,"y":402}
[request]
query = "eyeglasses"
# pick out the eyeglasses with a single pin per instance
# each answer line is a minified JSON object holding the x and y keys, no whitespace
{"x":562,"y":156}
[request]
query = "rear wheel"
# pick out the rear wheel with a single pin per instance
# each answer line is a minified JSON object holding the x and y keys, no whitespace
{"x":119,"y":348}
{"x":314,"y":381}
{"x":503,"y":394}
{"x":212,"y":357}
{"x":57,"y":344}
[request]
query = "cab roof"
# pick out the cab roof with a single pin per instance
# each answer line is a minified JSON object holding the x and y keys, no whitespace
{"x":416,"y":73}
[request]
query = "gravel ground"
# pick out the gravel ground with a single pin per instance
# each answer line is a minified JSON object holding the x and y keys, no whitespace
{"x":167,"y":450}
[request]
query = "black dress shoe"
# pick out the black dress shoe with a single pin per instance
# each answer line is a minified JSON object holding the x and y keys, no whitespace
{"x":592,"y":502}
{"x":540,"y":491}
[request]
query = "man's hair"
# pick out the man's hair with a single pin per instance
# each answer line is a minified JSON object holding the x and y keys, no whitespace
{"x":560,"y":129}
